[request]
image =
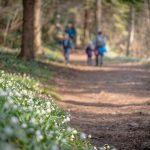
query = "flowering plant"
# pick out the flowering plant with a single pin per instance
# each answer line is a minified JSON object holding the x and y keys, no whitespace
{"x":32,"y":121}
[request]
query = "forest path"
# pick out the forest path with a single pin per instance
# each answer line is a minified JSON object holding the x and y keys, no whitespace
{"x":112,"y":103}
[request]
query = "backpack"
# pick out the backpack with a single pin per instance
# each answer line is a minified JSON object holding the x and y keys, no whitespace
{"x":100,"y":42}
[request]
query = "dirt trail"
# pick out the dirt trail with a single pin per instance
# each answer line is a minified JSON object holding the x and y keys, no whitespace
{"x":112,"y":103}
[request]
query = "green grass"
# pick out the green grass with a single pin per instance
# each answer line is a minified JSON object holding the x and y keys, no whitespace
{"x":36,"y":69}
{"x":52,"y":55}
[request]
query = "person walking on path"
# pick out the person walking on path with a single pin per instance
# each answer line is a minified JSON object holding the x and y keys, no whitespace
{"x":89,"y":50}
{"x":100,"y":48}
{"x":66,"y":46}
{"x":71,"y":31}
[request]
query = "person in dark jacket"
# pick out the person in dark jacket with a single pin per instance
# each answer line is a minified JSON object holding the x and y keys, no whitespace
{"x":89,"y":50}
{"x":66,"y":46}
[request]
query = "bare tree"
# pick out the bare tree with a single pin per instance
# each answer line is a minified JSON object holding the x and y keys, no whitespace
{"x":85,"y":28}
{"x":148,"y":13}
{"x":131,"y":29}
{"x":27,"y":49}
{"x":37,"y":27}
{"x":98,"y":11}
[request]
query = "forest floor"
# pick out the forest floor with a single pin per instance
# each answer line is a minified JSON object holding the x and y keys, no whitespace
{"x":112,"y":103}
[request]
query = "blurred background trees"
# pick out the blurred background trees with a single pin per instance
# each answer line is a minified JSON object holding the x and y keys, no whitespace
{"x":125,"y":23}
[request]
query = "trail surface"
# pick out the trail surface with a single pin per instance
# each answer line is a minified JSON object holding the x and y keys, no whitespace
{"x":112,"y":103}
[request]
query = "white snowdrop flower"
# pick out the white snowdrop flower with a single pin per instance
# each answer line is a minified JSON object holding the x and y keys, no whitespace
{"x":38,"y":132}
{"x":75,"y":132}
{"x":54,"y":147}
{"x":6,"y":105}
{"x":31,"y":103}
{"x":2,"y":71}
{"x":42,"y":112}
{"x":69,"y":129}
{"x":83,"y":136}
{"x":15,"y":107}
{"x":72,"y":136}
{"x":41,"y":120}
{"x":30,"y":108}
{"x":10,"y":100}
{"x":3,"y":93}
{"x":14,"y":120}
{"x":53,"y":109}
{"x":38,"y":111}
{"x":39,"y":135}
{"x":48,"y":110}
{"x":67,"y":119}
{"x":95,"y":148}
{"x":33,"y":121}
{"x":24,"y":125}
{"x":48,"y":103}
{"x":89,"y":136}
{"x":63,"y":141}
{"x":113,"y":149}
{"x":17,"y":94}
{"x":8,"y":130}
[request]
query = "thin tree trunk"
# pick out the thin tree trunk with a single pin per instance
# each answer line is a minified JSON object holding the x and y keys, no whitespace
{"x":85,"y":28}
{"x":27,"y":49}
{"x":5,"y":3}
{"x":131,"y":30}
{"x":7,"y":30}
{"x":9,"y":24}
{"x":98,"y":13}
{"x":37,"y":27}
{"x":148,"y":3}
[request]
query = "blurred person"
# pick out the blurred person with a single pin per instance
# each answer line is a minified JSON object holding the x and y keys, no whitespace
{"x":100,"y":48}
{"x":71,"y":31}
{"x":66,"y":46}
{"x":89,"y":51}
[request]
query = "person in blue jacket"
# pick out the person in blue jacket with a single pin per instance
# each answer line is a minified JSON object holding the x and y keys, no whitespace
{"x":66,"y":46}
{"x":71,"y":31}
{"x":100,"y":48}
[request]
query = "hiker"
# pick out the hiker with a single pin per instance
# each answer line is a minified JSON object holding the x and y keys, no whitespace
{"x":66,"y":46}
{"x":89,"y":50}
{"x":71,"y":31}
{"x":100,"y":48}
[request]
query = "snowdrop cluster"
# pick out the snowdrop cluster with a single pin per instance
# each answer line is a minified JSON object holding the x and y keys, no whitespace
{"x":32,"y":121}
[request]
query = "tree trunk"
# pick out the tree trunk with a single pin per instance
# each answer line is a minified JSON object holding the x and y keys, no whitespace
{"x":131,"y":30}
{"x":37,"y":27}
{"x":5,"y":3}
{"x":148,"y":4}
{"x":85,"y":28}
{"x":27,"y":48}
{"x":7,"y":30}
{"x":98,"y":12}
